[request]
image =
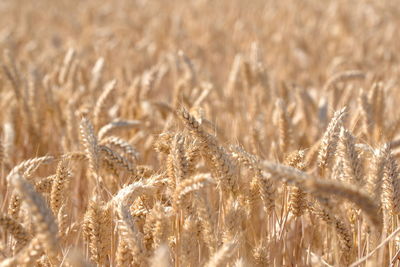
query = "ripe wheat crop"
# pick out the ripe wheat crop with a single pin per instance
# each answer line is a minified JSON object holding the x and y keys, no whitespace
{"x":199,"y":133}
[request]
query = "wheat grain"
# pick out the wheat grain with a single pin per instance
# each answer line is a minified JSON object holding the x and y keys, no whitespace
{"x":185,"y":138}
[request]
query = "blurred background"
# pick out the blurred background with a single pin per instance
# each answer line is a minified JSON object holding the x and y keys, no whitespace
{"x":301,"y":41}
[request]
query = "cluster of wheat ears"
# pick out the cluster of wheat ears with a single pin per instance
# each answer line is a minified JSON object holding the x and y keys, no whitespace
{"x":199,"y":133}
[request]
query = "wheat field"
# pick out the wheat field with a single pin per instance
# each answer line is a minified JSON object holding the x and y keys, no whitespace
{"x":199,"y":133}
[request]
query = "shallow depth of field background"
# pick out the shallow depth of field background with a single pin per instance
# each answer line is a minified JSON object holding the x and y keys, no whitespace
{"x":262,"y":78}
